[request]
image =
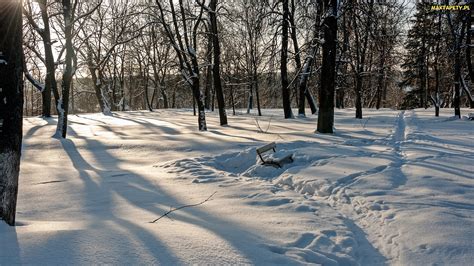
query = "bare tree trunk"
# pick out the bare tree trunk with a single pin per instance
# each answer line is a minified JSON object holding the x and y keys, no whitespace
{"x":457,"y":39}
{"x":380,"y":79}
{"x":250,"y":99}
{"x":436,"y":100}
{"x":208,"y":85}
{"x":328,"y":70}
{"x":11,"y":107}
{"x":303,"y":91}
{"x":469,"y":36}
{"x":200,"y":105}
{"x":149,"y":103}
{"x":51,"y":83}
{"x":216,"y":66}
{"x":73,"y":108}
{"x":257,"y":93}
{"x":63,"y":103}
{"x":285,"y":84}
{"x":46,"y":99}
{"x":232,"y":100}
{"x":457,"y":84}
{"x":358,"y":92}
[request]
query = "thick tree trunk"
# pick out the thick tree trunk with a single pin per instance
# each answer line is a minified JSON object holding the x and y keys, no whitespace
{"x":328,"y":73}
{"x":217,"y":61}
{"x":11,"y":106}
{"x":285,"y":84}
{"x":46,"y":100}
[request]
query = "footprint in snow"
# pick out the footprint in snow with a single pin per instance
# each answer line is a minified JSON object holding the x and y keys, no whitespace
{"x":272,"y":202}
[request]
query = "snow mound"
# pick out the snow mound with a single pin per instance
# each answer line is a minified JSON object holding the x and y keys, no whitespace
{"x":244,"y":163}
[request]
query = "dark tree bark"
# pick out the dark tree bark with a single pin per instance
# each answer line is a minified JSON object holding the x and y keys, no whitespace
{"x":95,"y":79}
{"x":340,"y":91}
{"x":216,"y":72}
{"x":422,"y":75}
{"x":458,"y":37}
{"x":469,"y":36}
{"x":11,"y":105}
{"x":45,"y":33}
{"x":380,"y":77}
{"x":200,"y":105}
{"x":436,"y":100}
{"x":51,"y":84}
{"x":63,"y":103}
{"x":328,"y":70}
{"x":208,"y":84}
{"x":285,"y":84}
{"x":361,"y":46}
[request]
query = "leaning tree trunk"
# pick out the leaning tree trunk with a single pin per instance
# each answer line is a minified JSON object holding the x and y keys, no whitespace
{"x":216,"y":66}
{"x":11,"y":106}
{"x":303,"y":92}
{"x":328,"y":72}
{"x":285,"y":84}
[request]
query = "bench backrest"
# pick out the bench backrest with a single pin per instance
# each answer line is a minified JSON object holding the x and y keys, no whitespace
{"x":269,"y":146}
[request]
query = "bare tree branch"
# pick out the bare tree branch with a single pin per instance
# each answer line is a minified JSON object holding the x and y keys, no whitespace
{"x":184,"y":206}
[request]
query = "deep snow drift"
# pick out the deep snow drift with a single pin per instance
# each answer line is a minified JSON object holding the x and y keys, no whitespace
{"x":393,"y":188}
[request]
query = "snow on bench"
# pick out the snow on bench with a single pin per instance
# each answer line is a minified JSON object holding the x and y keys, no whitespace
{"x":274,"y":161}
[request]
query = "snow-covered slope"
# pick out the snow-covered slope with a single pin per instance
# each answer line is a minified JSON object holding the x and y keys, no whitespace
{"x":393,"y":188}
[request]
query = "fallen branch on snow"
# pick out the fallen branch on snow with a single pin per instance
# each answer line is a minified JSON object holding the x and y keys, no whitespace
{"x":184,"y":206}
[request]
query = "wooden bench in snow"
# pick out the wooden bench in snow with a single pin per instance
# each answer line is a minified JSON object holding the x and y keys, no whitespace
{"x":278,"y":162}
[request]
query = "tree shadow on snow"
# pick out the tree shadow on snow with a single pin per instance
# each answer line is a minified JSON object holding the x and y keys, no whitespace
{"x":104,"y":181}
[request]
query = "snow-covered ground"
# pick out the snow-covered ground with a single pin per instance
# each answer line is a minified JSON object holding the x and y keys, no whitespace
{"x":394,"y":188}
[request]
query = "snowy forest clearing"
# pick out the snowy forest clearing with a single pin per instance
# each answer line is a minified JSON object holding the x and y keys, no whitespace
{"x":393,"y":188}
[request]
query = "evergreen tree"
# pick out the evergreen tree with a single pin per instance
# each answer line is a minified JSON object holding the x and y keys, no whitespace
{"x":416,"y":59}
